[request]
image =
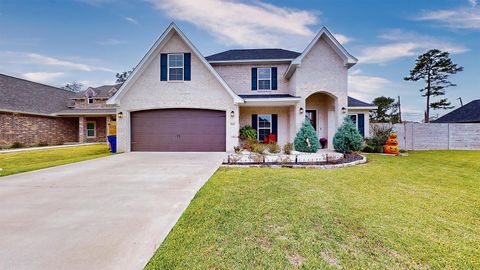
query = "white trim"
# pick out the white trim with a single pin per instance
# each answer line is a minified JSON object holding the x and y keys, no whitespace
{"x":258,"y":80}
{"x":247,"y":61}
{"x":348,"y":59}
{"x":270,"y":101}
{"x":363,"y":108}
{"x":94,"y":129}
{"x":183,"y":67}
{"x":258,"y":124}
{"x":151,"y":55}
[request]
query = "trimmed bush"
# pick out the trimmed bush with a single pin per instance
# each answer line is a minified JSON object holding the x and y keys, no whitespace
{"x":306,"y":132}
{"x":347,"y":139}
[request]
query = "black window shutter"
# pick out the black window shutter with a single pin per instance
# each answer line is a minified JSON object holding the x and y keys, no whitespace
{"x":163,"y":67}
{"x":254,"y":78}
{"x":187,"y":59}
{"x":274,"y":78}
{"x":361,"y":123}
{"x":254,"y":121}
{"x":275,"y":125}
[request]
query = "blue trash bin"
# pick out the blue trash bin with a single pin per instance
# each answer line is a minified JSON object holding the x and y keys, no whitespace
{"x":112,"y":140}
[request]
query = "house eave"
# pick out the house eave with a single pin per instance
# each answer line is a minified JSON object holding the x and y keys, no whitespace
{"x":363,"y":108}
{"x":249,"y":61}
{"x":270,"y":102}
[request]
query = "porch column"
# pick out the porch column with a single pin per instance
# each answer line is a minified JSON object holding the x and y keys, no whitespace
{"x":82,"y":129}
{"x":332,"y":126}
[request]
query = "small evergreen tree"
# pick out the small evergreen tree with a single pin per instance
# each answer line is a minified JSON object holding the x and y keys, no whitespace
{"x":306,"y":132}
{"x":347,"y":139}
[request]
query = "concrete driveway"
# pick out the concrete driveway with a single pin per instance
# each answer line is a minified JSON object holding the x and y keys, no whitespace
{"x":108,"y":213}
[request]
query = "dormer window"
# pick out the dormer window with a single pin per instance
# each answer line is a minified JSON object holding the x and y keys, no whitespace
{"x":175,"y":67}
{"x":90,"y":99}
{"x":264,"y":79}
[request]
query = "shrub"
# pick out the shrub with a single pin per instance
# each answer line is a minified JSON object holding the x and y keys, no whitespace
{"x":16,"y":145}
{"x":237,"y":149}
{"x":288,"y":148}
{"x":247,"y":132}
{"x":306,"y":132}
{"x":257,"y":147}
{"x":273,"y":148}
{"x":379,"y":138}
{"x":347,"y":139}
{"x":42,"y":143}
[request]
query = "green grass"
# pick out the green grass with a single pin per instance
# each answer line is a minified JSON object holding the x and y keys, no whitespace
{"x":420,"y":211}
{"x":12,"y":163}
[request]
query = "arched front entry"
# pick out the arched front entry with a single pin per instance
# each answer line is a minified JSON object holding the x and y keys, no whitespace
{"x":178,"y":130}
{"x":321,"y":109}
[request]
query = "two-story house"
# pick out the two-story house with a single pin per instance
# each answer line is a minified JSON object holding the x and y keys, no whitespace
{"x":178,"y":100}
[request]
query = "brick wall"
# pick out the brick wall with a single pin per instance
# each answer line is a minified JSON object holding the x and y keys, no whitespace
{"x":32,"y":130}
{"x":100,"y":129}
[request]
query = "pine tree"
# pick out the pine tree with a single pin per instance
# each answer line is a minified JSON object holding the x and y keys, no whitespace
{"x":306,"y":139}
{"x":434,"y":67}
{"x":347,"y":139}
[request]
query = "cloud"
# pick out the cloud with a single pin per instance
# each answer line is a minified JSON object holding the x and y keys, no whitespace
{"x":457,"y":18}
{"x":405,"y":44}
{"x":111,"y":42}
{"x":51,"y":61}
{"x":342,"y":38}
{"x":366,"y":87}
{"x":43,"y":77}
{"x":130,"y":19}
{"x":244,"y":24}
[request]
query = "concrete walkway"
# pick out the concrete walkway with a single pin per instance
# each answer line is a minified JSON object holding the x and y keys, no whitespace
{"x":108,"y":213}
{"x":44,"y":147}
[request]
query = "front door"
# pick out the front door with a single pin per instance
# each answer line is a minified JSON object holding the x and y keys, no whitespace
{"x":312,"y":116}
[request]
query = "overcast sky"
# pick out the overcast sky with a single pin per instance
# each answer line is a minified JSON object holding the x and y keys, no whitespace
{"x":56,"y":42}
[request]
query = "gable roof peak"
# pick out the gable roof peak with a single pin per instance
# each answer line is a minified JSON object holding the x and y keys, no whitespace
{"x":151,"y":54}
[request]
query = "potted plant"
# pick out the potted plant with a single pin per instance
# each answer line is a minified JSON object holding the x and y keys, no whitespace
{"x":323,"y":142}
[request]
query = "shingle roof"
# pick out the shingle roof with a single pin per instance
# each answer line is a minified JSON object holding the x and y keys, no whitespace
{"x":469,"y":113}
{"x":20,"y":95}
{"x":268,"y":96}
{"x":353,"y":102}
{"x":104,"y":91}
{"x":86,"y":112}
{"x":253,"y":54}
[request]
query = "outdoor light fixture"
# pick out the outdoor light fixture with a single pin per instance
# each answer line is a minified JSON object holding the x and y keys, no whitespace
{"x":232,"y":114}
{"x":344,"y":110}
{"x":301,"y":110}
{"x":120,"y":115}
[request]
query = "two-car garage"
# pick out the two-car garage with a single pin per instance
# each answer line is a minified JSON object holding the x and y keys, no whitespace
{"x":178,"y":130}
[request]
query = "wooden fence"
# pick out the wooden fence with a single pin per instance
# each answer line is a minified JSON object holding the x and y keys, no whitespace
{"x":436,"y":136}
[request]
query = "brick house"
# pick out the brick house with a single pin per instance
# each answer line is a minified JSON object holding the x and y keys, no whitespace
{"x":32,"y":113}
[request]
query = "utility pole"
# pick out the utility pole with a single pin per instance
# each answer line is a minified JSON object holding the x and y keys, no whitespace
{"x":461,"y":102}
{"x":399,"y":111}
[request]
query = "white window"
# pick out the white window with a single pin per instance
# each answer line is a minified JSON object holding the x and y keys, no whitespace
{"x":264,"y":126}
{"x":91,"y":130}
{"x":175,"y":67}
{"x":264,"y":78}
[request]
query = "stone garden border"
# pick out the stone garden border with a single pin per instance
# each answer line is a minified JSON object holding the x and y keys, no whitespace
{"x":276,"y":165}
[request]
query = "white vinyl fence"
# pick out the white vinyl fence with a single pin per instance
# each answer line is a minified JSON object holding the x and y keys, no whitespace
{"x":436,"y":136}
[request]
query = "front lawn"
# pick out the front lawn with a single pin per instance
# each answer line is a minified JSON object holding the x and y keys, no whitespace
{"x":420,"y":211}
{"x":12,"y":163}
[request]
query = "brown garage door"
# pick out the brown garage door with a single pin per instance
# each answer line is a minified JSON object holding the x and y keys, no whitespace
{"x":182,"y":130}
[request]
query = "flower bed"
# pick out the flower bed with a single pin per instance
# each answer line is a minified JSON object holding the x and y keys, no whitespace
{"x":295,"y":160}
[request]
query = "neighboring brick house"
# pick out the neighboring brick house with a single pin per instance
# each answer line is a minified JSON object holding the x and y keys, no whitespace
{"x":32,"y":113}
